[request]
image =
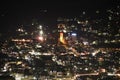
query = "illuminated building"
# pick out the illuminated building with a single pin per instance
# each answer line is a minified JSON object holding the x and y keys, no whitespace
{"x":41,"y":34}
{"x":67,"y":27}
{"x":61,"y":28}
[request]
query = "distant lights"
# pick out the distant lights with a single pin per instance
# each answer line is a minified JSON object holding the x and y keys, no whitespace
{"x":97,"y":12}
{"x":118,"y":6}
{"x":41,"y":32}
{"x":110,"y":18}
{"x":94,"y":42}
{"x":117,"y":13}
{"x":40,"y":27}
{"x":38,"y":46}
{"x":84,"y":12}
{"x":78,"y":22}
{"x":64,"y":31}
{"x":73,"y":34}
{"x":20,"y":30}
{"x":85,"y":43}
{"x":40,"y":38}
{"x":21,"y":40}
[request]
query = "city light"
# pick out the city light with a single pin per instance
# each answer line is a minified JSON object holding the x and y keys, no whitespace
{"x":85,"y":43}
{"x":41,"y":32}
{"x":40,"y":38}
{"x":62,"y":38}
{"x":74,"y":34}
{"x":64,"y":43}
{"x":40,"y":27}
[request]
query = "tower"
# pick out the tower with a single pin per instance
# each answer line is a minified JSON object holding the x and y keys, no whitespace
{"x":61,"y":30}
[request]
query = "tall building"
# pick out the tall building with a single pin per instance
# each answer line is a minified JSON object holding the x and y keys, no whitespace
{"x":62,"y":31}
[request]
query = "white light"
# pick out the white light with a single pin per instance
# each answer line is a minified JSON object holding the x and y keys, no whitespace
{"x":74,"y":34}
{"x":86,"y":69}
{"x":39,"y":46}
{"x":78,"y":22}
{"x":84,"y":12}
{"x":118,"y":74}
{"x":94,"y":42}
{"x":64,"y":31}
{"x":40,"y":27}
{"x":85,"y":43}
{"x":41,"y":32}
{"x":97,"y":12}
{"x":40,"y":38}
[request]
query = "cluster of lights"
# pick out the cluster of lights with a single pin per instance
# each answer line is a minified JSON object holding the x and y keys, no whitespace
{"x":40,"y":37}
{"x":21,"y":40}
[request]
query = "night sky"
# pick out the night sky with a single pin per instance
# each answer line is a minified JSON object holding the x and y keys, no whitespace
{"x":14,"y":13}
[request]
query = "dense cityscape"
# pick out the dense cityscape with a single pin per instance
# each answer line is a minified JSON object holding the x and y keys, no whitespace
{"x":77,"y":47}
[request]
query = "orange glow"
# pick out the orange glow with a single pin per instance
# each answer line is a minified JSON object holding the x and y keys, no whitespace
{"x":62,"y":38}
